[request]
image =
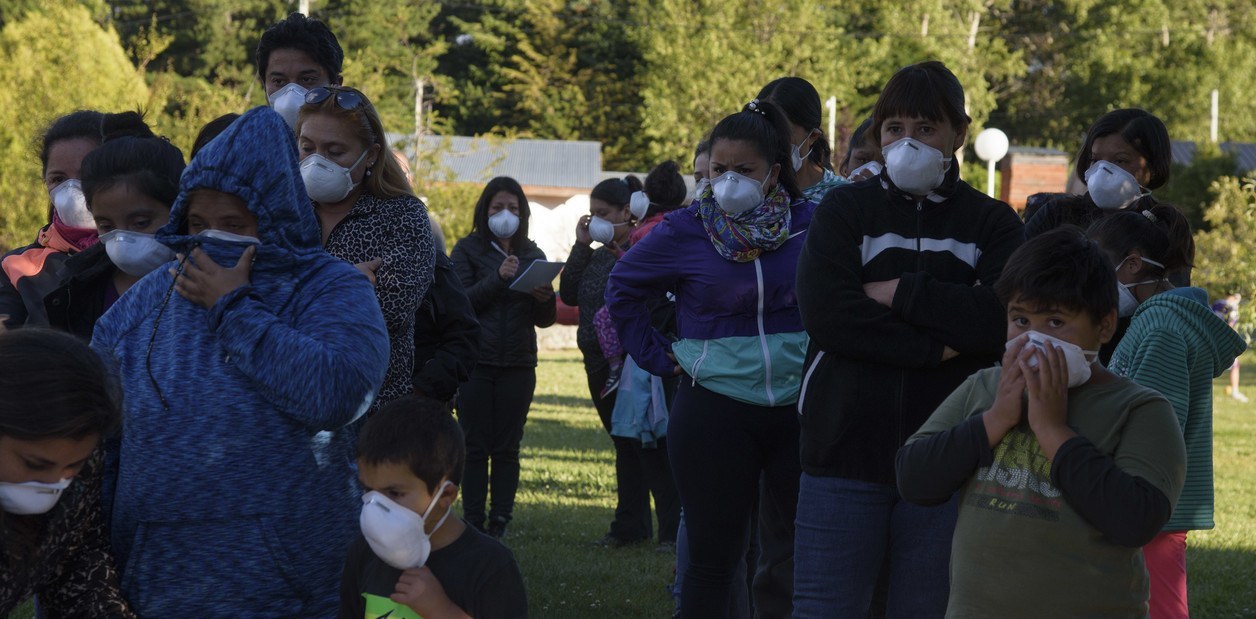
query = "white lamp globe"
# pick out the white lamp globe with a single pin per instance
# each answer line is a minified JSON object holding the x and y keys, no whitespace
{"x":991,"y":145}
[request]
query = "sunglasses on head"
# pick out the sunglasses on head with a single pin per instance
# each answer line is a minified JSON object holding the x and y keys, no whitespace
{"x":345,"y":99}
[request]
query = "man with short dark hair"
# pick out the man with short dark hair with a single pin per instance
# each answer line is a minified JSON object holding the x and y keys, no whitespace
{"x":295,"y":56}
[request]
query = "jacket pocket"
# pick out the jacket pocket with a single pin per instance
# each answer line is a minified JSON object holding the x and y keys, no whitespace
{"x":216,"y":568}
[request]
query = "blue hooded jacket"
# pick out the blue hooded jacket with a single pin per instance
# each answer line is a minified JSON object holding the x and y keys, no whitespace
{"x":235,"y":489}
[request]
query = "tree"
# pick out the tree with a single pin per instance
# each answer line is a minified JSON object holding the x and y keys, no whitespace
{"x":1225,"y":261}
{"x":212,"y":39}
{"x":389,"y":53}
{"x":1087,"y":57}
{"x":52,"y":61}
{"x":551,"y":69}
{"x":1189,"y":185}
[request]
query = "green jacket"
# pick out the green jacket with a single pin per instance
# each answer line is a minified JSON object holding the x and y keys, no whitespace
{"x":1177,"y":346}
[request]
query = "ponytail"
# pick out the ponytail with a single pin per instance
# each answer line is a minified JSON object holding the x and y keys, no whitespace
{"x":798,"y":100}
{"x":762,"y":124}
{"x":1159,"y":232}
{"x":616,"y":191}
{"x":665,"y":187}
{"x":130,"y":153}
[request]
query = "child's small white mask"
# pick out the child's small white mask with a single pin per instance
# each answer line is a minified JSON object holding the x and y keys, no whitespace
{"x":396,"y":534}
{"x":1078,"y":360}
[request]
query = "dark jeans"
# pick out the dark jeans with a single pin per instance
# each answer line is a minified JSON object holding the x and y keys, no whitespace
{"x":492,"y":408}
{"x":639,"y":473}
{"x":721,"y":447}
{"x":849,"y":531}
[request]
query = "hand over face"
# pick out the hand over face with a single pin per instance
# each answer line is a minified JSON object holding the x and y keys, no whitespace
{"x":203,"y":282}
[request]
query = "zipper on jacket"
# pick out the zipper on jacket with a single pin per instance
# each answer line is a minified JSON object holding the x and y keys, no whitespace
{"x":920,"y":206}
{"x":697,"y":364}
{"x":806,"y":379}
{"x":763,"y":338}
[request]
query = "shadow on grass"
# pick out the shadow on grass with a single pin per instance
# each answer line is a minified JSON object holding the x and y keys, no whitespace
{"x":562,"y":356}
{"x":548,"y":433}
{"x":562,"y":401}
{"x":1220,"y":582}
{"x":567,"y":576}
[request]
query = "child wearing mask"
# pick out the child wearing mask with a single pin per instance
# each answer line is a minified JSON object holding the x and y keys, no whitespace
{"x":1065,"y":470}
{"x":1175,"y":345}
{"x":129,"y":184}
{"x":246,"y":366}
{"x":895,"y":286}
{"x":413,"y":559}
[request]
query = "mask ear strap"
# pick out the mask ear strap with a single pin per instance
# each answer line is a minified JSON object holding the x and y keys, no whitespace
{"x":435,"y":500}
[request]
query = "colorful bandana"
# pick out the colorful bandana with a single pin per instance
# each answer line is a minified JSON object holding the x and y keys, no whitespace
{"x":816,"y":192}
{"x":742,"y":237}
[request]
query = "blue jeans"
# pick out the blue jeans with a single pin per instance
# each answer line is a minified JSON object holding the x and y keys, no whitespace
{"x":847,"y":530}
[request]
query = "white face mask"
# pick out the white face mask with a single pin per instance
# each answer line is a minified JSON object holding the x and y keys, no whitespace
{"x":639,"y":204}
{"x":603,"y":230}
{"x":1111,"y":187}
{"x":915,"y":167}
{"x":700,"y":187}
{"x":32,"y":497}
{"x":136,"y":253}
{"x":287,"y":101}
{"x":1126,"y":301}
{"x":229,"y":237}
{"x":796,"y":157}
{"x":503,"y":224}
{"x":1074,"y":356}
{"x":396,"y":534}
{"x":736,"y":193}
{"x":872,"y":166}
{"x":71,"y":204}
{"x":325,"y":181}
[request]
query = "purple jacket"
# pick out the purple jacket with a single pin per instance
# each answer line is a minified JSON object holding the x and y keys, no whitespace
{"x":716,"y":298}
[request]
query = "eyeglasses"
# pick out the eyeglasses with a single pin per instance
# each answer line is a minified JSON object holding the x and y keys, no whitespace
{"x":345,"y":99}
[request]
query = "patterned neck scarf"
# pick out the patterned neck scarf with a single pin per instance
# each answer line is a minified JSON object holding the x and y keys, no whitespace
{"x":742,"y":237}
{"x":816,"y":192}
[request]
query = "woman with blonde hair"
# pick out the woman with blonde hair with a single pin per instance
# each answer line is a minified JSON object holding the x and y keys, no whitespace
{"x":368,"y":213}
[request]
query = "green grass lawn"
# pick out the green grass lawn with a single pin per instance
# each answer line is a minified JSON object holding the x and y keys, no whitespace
{"x":567,"y":495}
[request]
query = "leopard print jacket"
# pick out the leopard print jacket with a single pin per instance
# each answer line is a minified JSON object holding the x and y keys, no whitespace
{"x":398,"y":232}
{"x":72,"y":570}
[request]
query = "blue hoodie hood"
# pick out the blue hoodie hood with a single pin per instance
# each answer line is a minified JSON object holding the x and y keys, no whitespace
{"x":255,"y":158}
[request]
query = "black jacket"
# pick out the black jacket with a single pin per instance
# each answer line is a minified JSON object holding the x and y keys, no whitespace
{"x":22,"y":297}
{"x":875,"y":373}
{"x":507,"y":318}
{"x":446,"y":335}
{"x":79,"y":301}
{"x":583,"y":285}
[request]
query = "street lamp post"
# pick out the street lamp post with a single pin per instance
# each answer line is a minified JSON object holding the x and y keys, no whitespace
{"x":991,"y":146}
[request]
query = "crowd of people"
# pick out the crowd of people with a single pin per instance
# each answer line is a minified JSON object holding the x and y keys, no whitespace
{"x":253,"y":384}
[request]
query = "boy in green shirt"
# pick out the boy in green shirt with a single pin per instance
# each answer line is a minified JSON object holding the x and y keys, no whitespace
{"x":1065,"y":469}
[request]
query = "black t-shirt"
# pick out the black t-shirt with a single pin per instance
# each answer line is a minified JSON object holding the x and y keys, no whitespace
{"x":478,"y":573}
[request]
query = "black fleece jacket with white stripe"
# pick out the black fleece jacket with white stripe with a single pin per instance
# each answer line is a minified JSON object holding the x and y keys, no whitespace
{"x":875,"y":373}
